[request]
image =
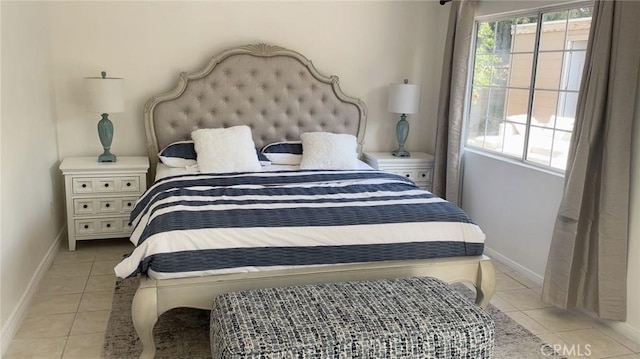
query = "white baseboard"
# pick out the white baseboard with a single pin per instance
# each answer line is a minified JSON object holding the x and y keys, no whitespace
{"x":625,"y":329}
{"x":514,"y":265}
{"x":12,"y":324}
{"x":622,"y":328}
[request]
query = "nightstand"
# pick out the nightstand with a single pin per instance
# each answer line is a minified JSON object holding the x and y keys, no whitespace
{"x":418,"y":167}
{"x":100,"y":196}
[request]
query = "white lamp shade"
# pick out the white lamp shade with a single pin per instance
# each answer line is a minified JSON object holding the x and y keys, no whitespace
{"x":404,"y":98}
{"x":104,"y":95}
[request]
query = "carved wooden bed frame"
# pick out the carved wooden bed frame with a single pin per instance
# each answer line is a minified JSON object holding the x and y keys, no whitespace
{"x":279,"y":94}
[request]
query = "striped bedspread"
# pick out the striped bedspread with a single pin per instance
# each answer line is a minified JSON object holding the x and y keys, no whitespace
{"x":204,"y":224}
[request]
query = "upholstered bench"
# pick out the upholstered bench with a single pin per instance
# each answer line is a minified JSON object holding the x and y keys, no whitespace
{"x":391,"y":318}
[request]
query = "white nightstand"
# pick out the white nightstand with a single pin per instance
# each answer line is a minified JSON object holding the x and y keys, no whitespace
{"x":100,"y":196}
{"x":418,"y":167}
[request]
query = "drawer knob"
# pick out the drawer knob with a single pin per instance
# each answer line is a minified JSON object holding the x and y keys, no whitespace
{"x":408,"y":175}
{"x":106,"y":185}
{"x":129,"y":224}
{"x":84,"y":185}
{"x":84,"y":206}
{"x":86,"y":226}
{"x":128,"y":204}
{"x":424,"y":175}
{"x":107,"y":205}
{"x":108,"y":225}
{"x":128,"y":184}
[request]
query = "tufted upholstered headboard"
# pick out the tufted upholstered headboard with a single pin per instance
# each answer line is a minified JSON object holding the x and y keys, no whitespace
{"x":275,"y":91}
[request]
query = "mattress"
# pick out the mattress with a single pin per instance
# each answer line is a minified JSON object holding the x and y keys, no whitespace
{"x":206,"y":224}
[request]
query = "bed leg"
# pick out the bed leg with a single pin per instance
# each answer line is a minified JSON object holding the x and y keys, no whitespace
{"x":486,"y":283}
{"x":144,"y":312}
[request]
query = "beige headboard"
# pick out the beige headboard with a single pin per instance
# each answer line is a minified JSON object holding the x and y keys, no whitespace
{"x":275,"y":91}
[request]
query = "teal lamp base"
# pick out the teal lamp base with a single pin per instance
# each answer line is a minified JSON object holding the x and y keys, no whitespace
{"x":107,"y":156}
{"x":105,"y":132}
{"x":402,"y":131}
{"x":401,"y":153}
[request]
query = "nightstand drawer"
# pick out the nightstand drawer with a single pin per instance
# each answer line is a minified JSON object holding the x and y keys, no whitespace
{"x":85,"y":227}
{"x":82,"y":185}
{"x":404,"y":173}
{"x":109,"y":225}
{"x":128,"y":184}
{"x":84,"y":206}
{"x":118,"y":184}
{"x":105,"y":185}
{"x":126,"y":225}
{"x":127,"y":203}
{"x":424,"y":175}
{"x":414,"y":175}
{"x":107,"y":205}
{"x":102,"y":185}
{"x":93,"y":226}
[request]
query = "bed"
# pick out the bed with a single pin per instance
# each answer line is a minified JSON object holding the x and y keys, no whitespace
{"x":279,"y":95}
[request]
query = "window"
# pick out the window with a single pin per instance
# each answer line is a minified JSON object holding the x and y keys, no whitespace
{"x":524,"y":84}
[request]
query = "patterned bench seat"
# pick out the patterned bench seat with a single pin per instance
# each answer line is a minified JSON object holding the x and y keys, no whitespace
{"x":391,"y":318}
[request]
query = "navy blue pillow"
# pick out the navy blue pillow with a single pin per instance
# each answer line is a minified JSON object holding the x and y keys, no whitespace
{"x":183,"y":154}
{"x":262,"y":157}
{"x":284,"y":153}
{"x":179,"y":154}
{"x":294,"y":148}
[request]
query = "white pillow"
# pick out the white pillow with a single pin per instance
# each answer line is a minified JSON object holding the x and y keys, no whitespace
{"x":329,"y":151}
{"x":224,"y":150}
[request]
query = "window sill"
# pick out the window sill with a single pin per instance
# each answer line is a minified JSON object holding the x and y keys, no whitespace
{"x":513,"y":162}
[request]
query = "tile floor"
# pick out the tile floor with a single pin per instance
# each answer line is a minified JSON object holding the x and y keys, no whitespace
{"x":69,"y":314}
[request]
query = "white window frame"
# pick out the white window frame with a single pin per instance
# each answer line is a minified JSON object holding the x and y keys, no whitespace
{"x":538,"y":12}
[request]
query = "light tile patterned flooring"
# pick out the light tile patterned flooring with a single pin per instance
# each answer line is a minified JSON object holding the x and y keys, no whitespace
{"x":68,"y":316}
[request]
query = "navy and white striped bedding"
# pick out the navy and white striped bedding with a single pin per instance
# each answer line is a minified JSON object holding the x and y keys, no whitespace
{"x":204,"y":224}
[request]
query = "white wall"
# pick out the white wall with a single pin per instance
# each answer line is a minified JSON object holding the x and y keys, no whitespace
{"x":367,"y":44}
{"x":516,"y":205}
{"x":32,"y":199}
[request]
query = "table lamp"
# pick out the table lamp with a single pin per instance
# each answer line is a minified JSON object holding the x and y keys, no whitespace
{"x":105,"y":95}
{"x":403,"y":99}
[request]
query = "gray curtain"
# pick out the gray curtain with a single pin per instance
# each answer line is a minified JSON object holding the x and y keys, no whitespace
{"x":446,"y":172}
{"x":588,"y":256}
